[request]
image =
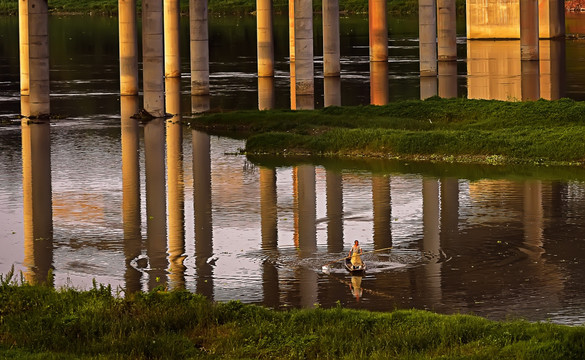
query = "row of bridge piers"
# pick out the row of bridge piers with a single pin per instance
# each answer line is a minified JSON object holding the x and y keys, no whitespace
{"x":161,"y":38}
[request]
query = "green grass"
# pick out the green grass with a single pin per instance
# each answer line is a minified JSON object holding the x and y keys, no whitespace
{"x":485,"y":131}
{"x":110,"y":7}
{"x":39,"y":322}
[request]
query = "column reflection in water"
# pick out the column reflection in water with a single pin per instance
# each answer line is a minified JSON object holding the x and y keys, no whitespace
{"x":202,"y":207}
{"x":530,"y":82}
{"x":176,"y":186}
{"x":200,"y":104}
{"x":449,"y":211}
{"x":382,"y":211}
{"x":269,"y":227}
{"x":307,"y":232}
{"x":334,"y":211}
{"x":37,"y":200}
{"x":494,"y":70}
{"x":431,"y":241}
{"x":266,"y":94}
{"x":379,"y":93}
{"x":131,"y":190}
{"x":447,"y":79}
{"x":552,"y":69}
{"x":428,"y":87}
{"x":533,"y":219}
{"x":156,"y":218}
{"x":332,"y":91}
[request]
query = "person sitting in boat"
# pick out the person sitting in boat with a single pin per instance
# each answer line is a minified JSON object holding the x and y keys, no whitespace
{"x":355,"y":254}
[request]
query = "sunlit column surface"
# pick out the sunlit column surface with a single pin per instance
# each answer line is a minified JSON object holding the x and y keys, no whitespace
{"x":156,"y":215}
{"x":38,"y":32}
{"x":266,"y":95}
{"x":448,"y":79}
{"x":172,"y":17}
{"x":307,"y":210}
{"x":291,"y":30}
{"x":449,"y":210}
{"x":332,"y":91}
{"x":379,"y":93}
{"x":446,"y":30}
{"x":431,"y":241}
{"x":551,"y":19}
{"x":428,"y":87}
{"x":37,"y":201}
{"x":199,"y":39}
{"x":427,"y":37}
{"x":23,"y":46}
{"x":153,"y":57}
{"x":529,"y":29}
{"x":268,"y":206}
{"x":334,"y":211}
{"x":331,"y":52}
{"x":382,"y":211}
{"x":131,"y":190}
{"x":202,"y":208}
{"x":304,"y":72}
{"x":378,"y":29}
{"x":293,"y":90}
{"x":265,"y":38}
{"x":128,"y":38}
{"x":176,"y":186}
{"x":530,"y":80}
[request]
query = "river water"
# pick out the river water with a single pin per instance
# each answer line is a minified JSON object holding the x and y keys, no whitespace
{"x":96,"y":195}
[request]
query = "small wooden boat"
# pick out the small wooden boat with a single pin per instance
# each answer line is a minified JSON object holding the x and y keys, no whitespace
{"x":354,"y":269}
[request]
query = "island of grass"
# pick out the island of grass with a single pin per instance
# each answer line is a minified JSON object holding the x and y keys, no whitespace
{"x":455,"y":130}
{"x":39,"y":322}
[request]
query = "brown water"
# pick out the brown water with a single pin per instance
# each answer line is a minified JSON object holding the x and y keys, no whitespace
{"x":143,"y":205}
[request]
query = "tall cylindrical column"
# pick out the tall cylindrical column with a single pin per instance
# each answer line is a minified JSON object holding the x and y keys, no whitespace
{"x":529,"y":29}
{"x":38,"y":31}
{"x":378,"y":26}
{"x":128,"y":47}
{"x":265,"y":38}
{"x":153,"y":57}
{"x":172,"y":16}
{"x":304,"y":73}
{"x":23,"y":45}
{"x":446,"y":30}
{"x":291,"y":30}
{"x":199,"y":47}
{"x":427,"y":37}
{"x":331,"y":64}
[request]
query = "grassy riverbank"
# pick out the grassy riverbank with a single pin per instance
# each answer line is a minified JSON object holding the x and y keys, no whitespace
{"x":455,"y":130}
{"x":110,"y":7}
{"x":37,"y":322}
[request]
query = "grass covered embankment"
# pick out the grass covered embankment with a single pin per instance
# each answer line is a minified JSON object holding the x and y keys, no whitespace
{"x":110,"y":7}
{"x":38,"y":322}
{"x":457,"y":130}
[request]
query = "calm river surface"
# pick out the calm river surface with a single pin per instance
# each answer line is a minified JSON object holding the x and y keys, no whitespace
{"x":96,"y":195}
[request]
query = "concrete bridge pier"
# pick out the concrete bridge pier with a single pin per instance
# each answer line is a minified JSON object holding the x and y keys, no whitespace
{"x":265,"y":38}
{"x":427,"y":34}
{"x":446,"y":30}
{"x":23,"y":47}
{"x":529,"y":29}
{"x":128,"y":47}
{"x":378,"y":26}
{"x":199,"y":38}
{"x":331,"y":52}
{"x":38,"y":32}
{"x":304,"y":72}
{"x":172,"y":17}
{"x":153,"y":58}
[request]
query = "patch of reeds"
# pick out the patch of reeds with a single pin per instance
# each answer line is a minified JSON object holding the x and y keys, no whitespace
{"x":40,"y":322}
{"x":539,"y":132}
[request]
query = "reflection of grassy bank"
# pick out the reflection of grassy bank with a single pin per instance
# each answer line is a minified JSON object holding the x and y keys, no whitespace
{"x":109,"y":7}
{"x":455,"y":130}
{"x":41,"y":323}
